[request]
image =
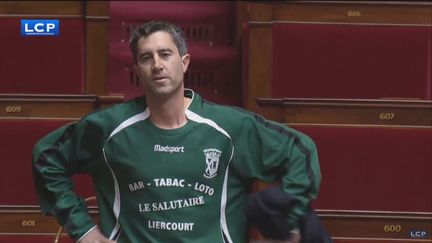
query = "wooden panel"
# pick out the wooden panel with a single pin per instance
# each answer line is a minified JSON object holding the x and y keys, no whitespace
{"x":241,"y":19}
{"x":46,"y":106}
{"x":259,"y":63}
{"x":374,"y":226}
{"x":43,"y":8}
{"x":97,"y":9}
{"x":260,"y":12}
{"x":257,"y":51}
{"x":106,"y":101}
{"x":348,"y":112}
{"x":29,"y":220}
{"x":52,"y":106}
{"x":372,"y":12}
{"x":97,"y":21}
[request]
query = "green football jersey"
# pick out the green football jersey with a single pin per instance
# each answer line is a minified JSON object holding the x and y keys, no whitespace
{"x":180,"y":185}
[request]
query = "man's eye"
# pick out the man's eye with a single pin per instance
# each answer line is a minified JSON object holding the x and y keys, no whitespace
{"x":144,"y":58}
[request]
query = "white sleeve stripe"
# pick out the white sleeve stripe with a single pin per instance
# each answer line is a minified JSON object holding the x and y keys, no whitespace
{"x":116,"y":204}
{"x":86,"y":233}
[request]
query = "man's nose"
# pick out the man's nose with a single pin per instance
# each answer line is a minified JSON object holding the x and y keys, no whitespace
{"x":157,"y":64}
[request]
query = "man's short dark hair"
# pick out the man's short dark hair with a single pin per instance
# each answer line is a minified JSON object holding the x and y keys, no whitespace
{"x":153,"y":26}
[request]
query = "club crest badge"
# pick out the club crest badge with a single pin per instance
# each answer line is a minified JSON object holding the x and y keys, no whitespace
{"x":212,"y":162}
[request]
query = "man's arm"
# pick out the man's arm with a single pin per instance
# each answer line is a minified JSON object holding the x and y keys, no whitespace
{"x":56,"y":157}
{"x":270,"y":151}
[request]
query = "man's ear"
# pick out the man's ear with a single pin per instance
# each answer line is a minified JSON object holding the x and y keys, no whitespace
{"x":185,"y":61}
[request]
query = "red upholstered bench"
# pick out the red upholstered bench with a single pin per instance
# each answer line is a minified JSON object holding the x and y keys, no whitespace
{"x":351,"y":61}
{"x":214,"y":71}
{"x":201,"y":21}
{"x":374,"y":168}
{"x":18,"y":137}
{"x":42,"y":64}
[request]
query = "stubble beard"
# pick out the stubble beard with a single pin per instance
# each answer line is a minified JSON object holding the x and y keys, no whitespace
{"x":164,"y":89}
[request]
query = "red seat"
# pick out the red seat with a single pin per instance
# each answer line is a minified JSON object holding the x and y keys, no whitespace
{"x":32,"y":239}
{"x":215,"y":74}
{"x":351,"y":61}
{"x":17,"y":140}
{"x":372,"y":168}
{"x":42,"y":64}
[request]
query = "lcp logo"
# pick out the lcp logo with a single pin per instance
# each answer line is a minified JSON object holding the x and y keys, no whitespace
{"x":419,"y":234}
{"x":40,"y":27}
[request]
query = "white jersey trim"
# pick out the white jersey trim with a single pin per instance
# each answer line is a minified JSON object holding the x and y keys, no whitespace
{"x":195,"y":117}
{"x":116,"y":205}
{"x":223,"y":222}
{"x":139,"y":117}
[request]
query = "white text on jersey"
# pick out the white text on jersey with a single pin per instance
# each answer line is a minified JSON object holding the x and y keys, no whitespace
{"x":168,"y":149}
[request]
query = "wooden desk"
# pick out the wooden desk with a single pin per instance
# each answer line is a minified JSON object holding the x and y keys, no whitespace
{"x":358,"y":112}
{"x":52,"y":106}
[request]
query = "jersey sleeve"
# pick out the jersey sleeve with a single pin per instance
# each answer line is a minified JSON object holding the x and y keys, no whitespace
{"x":56,"y":157}
{"x":270,"y":151}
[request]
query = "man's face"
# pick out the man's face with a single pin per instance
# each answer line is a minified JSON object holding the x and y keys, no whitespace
{"x":160,"y":67}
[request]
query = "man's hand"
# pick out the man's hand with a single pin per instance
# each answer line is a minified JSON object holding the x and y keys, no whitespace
{"x":95,"y":236}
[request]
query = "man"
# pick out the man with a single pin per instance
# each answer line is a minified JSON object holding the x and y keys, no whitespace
{"x":171,"y":167}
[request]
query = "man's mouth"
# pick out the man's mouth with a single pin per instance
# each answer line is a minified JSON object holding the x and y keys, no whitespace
{"x":158,"y":78}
